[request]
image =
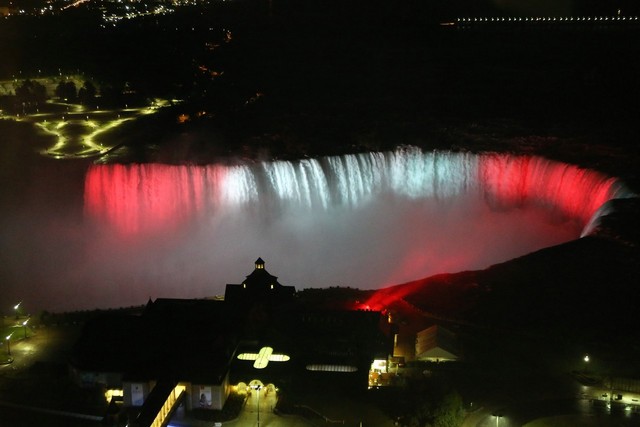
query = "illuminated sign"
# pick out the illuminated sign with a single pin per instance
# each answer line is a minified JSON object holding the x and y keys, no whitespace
{"x":263,"y":357}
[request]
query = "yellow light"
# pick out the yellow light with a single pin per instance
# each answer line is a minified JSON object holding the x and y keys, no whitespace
{"x":263,"y":358}
{"x":76,"y":131}
{"x":109,"y":394}
{"x":279,"y":358}
{"x":248,"y":356}
{"x":270,"y":356}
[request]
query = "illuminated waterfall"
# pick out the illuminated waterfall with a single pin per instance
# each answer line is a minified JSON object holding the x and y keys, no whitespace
{"x":149,"y":198}
{"x":366,"y":220}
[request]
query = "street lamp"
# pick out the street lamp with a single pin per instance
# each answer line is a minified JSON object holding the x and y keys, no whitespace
{"x":17,"y":308}
{"x":25,"y":328}
{"x":9,"y":345}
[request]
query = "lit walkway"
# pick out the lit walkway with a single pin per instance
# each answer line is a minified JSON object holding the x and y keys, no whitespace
{"x":249,"y":417}
{"x":249,"y":414}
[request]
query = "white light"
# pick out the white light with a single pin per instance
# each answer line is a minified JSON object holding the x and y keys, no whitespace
{"x":332,"y":368}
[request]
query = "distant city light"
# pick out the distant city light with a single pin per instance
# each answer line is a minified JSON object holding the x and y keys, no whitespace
{"x":562,"y":19}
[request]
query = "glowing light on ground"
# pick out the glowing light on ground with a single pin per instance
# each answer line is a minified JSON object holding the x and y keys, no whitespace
{"x":77,"y":131}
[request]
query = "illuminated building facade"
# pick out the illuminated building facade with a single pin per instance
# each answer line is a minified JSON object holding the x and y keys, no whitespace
{"x":196,"y":351}
{"x":436,"y":344}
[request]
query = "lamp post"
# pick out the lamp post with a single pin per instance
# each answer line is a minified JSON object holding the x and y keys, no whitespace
{"x":586,"y":362}
{"x":257,"y":388}
{"x":25,"y":328}
{"x":16,"y":308}
{"x":9,"y":345}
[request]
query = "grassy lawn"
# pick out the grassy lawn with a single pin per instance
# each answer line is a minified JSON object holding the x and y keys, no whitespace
{"x":9,"y":334}
{"x":16,"y":332}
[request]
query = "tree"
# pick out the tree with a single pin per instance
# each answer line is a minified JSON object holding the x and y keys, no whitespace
{"x":448,"y":411}
{"x":434,"y":404}
{"x":87,"y":92}
{"x":39,"y":92}
{"x":66,"y":90}
{"x":30,"y":94}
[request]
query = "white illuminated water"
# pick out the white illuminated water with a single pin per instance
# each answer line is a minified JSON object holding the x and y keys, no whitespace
{"x":141,"y":198}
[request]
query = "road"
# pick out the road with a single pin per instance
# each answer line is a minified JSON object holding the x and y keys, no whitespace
{"x":580,"y":410}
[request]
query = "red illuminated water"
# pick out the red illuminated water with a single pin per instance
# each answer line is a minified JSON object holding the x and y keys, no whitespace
{"x":155,"y":198}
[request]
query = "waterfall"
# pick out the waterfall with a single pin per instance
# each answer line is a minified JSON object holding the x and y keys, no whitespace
{"x":367,"y":220}
{"x":148,"y":198}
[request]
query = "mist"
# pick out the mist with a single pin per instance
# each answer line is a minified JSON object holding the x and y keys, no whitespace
{"x":117,"y":241}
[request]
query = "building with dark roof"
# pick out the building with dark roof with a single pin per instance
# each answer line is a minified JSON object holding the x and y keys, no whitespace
{"x":436,"y":344}
{"x":259,"y":286}
{"x":196,"y":351}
